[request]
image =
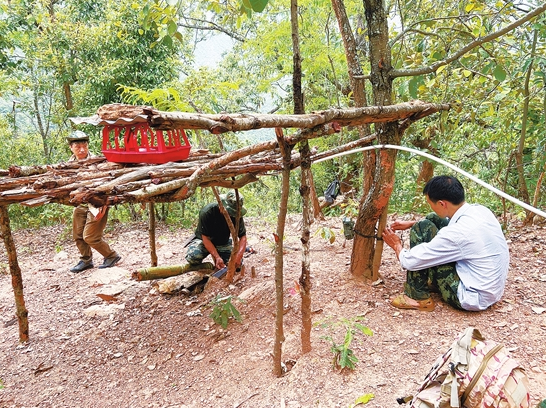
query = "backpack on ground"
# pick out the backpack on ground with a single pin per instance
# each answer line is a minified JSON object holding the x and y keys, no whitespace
{"x":479,"y":374}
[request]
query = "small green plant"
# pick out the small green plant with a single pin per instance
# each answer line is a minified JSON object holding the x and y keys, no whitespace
{"x":326,"y":233}
{"x":223,"y":310}
{"x":344,"y":356}
{"x":1,"y":384}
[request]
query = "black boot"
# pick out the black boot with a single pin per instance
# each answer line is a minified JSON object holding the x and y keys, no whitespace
{"x":109,"y":262}
{"x":82,"y":266}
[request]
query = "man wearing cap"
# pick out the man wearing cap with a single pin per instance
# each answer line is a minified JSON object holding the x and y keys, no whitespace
{"x":88,"y":222}
{"x":212,"y":235}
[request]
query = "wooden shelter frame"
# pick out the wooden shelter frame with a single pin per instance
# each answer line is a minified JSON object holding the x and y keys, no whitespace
{"x":99,"y":182}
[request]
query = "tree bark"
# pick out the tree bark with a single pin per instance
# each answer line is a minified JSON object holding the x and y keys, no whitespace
{"x":216,"y":123}
{"x":16,"y":277}
{"x":279,"y":238}
{"x":305,"y":179}
{"x":379,"y":179}
{"x":522,"y":183}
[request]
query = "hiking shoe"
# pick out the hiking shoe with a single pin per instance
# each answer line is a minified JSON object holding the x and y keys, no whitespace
{"x":401,"y":302}
{"x":109,"y":262}
{"x":82,"y":266}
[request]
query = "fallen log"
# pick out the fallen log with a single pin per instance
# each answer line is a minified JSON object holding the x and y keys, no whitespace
{"x":161,"y":272}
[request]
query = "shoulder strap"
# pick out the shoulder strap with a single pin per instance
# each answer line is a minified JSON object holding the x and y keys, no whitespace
{"x":480,"y":371}
{"x":461,"y":356}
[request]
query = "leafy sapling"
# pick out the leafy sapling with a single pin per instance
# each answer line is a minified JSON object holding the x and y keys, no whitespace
{"x":344,"y":356}
{"x":223,"y":310}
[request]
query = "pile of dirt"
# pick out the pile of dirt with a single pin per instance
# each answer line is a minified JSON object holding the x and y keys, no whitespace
{"x":135,"y":347}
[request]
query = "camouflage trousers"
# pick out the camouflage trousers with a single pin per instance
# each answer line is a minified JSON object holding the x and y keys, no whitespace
{"x":441,"y":278}
{"x":197,"y":252}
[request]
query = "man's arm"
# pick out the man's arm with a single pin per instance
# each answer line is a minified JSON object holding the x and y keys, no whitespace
{"x":219,"y":262}
{"x":401,"y":225}
{"x":391,"y":239}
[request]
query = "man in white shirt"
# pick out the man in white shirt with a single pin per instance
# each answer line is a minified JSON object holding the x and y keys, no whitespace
{"x":460,"y":251}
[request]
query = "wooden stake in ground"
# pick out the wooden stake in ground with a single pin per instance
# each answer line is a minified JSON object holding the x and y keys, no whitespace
{"x":151,"y":233}
{"x":16,"y":277}
{"x":279,"y":237}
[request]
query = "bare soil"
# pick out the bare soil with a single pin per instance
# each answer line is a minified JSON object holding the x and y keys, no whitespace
{"x":140,"y":348}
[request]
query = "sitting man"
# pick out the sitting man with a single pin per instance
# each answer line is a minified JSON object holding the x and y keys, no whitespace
{"x":88,"y":223}
{"x":460,"y":251}
{"x":212,"y":235}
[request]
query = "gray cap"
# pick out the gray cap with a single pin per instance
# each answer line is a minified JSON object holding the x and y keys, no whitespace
{"x":229,"y":201}
{"x":77,"y":136}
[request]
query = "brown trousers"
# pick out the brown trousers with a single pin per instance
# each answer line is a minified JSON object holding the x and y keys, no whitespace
{"x":87,"y":233}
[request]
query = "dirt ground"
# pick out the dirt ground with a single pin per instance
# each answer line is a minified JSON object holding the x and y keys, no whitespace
{"x":141,"y":348}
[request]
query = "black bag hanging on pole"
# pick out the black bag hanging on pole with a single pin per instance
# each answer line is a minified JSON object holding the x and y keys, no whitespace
{"x":332,"y":192}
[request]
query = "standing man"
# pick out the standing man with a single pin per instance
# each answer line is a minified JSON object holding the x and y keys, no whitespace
{"x":459,"y":251}
{"x":88,"y":222}
{"x":212,"y":235}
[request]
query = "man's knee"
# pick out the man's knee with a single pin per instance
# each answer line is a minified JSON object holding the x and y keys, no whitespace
{"x":422,"y":231}
{"x":195,"y":254}
{"x":92,"y":241}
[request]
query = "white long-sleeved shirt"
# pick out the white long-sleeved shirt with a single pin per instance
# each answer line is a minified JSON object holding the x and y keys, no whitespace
{"x":473,"y":239}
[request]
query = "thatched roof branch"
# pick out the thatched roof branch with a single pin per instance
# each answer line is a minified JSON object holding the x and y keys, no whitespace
{"x":221,"y":123}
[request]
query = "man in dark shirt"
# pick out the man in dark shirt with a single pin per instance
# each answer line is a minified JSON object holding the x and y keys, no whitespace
{"x":212,"y":235}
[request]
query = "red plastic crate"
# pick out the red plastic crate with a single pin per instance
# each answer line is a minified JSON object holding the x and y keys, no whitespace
{"x":138,"y":143}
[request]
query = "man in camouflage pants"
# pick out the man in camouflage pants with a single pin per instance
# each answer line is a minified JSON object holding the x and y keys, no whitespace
{"x":441,"y":278}
{"x":212,"y":235}
{"x":459,"y":250}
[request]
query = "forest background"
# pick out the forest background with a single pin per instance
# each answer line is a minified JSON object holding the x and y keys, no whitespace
{"x":61,"y":59}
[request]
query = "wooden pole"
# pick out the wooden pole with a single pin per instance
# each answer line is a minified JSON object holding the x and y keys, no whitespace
{"x":151,"y":233}
{"x":379,"y":244}
{"x":279,"y":237}
{"x":305,"y":277}
{"x":16,"y":277}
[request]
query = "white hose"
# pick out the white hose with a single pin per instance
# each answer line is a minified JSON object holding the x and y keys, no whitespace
{"x":451,"y":166}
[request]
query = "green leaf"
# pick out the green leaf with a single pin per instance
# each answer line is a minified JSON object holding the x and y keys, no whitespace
{"x":168,"y":41}
{"x":413,"y":87}
{"x":172,"y":28}
{"x":258,"y":5}
{"x":363,"y":399}
{"x":499,"y":73}
{"x":365,"y":330}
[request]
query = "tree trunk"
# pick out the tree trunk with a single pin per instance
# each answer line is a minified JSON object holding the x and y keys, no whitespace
{"x":41,"y":127}
{"x":354,"y":68}
{"x":529,"y":219}
{"x":15,"y":271}
{"x":522,"y":183}
{"x":279,"y":237}
{"x":379,"y":179}
{"x":306,"y":177}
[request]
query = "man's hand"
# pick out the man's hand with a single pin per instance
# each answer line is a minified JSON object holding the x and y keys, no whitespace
{"x":101,"y":213}
{"x":391,"y":239}
{"x":219,"y":262}
{"x":401,"y":225}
